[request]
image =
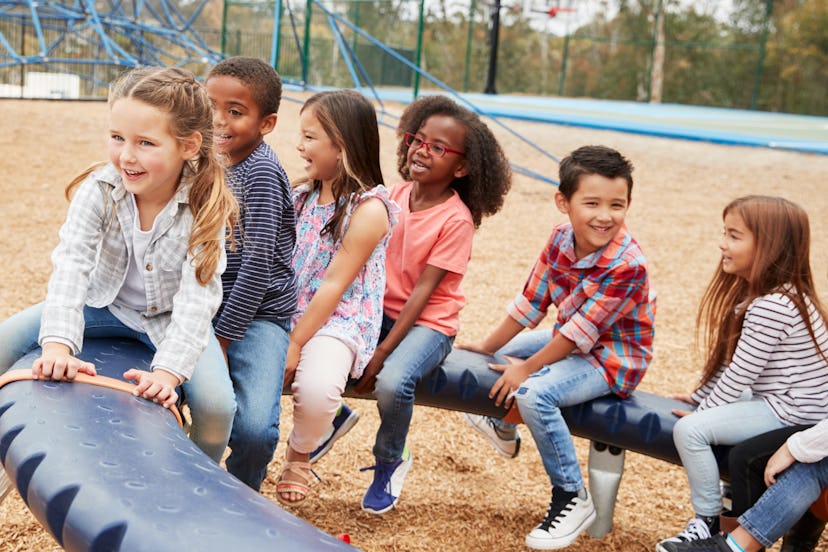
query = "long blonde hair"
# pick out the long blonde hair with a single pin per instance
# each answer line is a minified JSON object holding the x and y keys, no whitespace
{"x":176,"y":92}
{"x":781,"y":264}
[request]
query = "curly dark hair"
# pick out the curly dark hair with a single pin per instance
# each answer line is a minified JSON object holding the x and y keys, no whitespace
{"x":489,"y":176}
{"x":263,"y":81}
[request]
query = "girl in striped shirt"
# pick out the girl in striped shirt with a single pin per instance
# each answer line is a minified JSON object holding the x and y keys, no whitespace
{"x":767,"y":365}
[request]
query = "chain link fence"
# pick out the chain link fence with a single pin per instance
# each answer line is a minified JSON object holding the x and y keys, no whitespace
{"x":748,"y":54}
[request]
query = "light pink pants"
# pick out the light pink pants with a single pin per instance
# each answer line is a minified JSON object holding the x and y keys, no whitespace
{"x":321,"y":375}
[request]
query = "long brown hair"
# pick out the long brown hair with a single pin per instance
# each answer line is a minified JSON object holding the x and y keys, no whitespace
{"x":781,"y":264}
{"x":176,"y":92}
{"x":350,"y":121}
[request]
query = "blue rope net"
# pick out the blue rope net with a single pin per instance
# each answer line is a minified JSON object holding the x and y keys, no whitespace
{"x":93,"y":41}
{"x":97,"y":40}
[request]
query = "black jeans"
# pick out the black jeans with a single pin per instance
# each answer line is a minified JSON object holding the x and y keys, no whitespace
{"x":747,"y":466}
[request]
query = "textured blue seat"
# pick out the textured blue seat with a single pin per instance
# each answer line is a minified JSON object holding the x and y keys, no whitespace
{"x":105,"y":471}
{"x":642,"y":423}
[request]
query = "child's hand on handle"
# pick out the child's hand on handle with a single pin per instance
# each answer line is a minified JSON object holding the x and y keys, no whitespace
{"x":157,"y":386}
{"x":57,"y":363}
{"x":683,"y":397}
{"x":514,"y":374}
{"x":779,"y":462}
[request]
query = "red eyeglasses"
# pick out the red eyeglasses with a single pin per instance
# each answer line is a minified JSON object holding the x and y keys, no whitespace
{"x":437,"y":150}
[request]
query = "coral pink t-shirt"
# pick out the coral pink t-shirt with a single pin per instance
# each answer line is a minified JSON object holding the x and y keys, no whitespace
{"x":440,"y":236}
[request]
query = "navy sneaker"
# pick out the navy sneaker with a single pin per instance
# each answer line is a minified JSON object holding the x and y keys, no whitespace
{"x":385,"y":489}
{"x":342,"y":423}
{"x":716,"y":543}
{"x":696,"y":530}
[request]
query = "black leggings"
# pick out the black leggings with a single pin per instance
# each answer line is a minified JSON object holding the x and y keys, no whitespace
{"x":747,"y":466}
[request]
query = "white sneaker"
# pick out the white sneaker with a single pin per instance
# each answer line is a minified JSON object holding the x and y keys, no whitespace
{"x":5,"y":485}
{"x":506,"y":441}
{"x":565,"y":520}
{"x":696,"y":529}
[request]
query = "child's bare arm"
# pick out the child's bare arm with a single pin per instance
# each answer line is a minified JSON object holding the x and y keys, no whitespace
{"x":500,"y":336}
{"x":368,"y":225}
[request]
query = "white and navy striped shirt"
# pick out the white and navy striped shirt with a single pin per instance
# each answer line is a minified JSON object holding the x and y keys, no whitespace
{"x":777,"y":361}
{"x":259,"y":282}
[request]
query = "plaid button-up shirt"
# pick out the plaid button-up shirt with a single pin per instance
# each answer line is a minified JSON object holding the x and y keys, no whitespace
{"x":90,"y":265}
{"x":605,"y":304}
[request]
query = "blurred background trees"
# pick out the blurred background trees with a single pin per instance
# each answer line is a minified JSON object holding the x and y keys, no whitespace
{"x":753,"y":54}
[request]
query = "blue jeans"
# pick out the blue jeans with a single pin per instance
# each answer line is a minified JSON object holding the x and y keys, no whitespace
{"x":209,"y":391}
{"x":418,"y":354}
{"x":781,"y":506}
{"x":567,"y":382}
{"x":727,"y":424}
{"x":257,"y":368}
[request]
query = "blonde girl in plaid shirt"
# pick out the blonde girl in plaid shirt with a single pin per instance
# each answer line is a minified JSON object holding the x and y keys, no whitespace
{"x":141,"y":255}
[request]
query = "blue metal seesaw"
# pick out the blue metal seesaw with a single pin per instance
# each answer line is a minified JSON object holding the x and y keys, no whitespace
{"x":103,"y":470}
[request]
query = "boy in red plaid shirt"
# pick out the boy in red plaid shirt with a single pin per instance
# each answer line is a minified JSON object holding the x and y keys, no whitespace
{"x":595,"y":274}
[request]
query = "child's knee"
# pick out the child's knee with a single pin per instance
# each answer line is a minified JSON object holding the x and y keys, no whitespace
{"x":684,"y":432}
{"x":526,"y":399}
{"x":317,"y":398}
{"x":218,"y":408}
{"x":389,"y":384}
{"x":262,"y":438}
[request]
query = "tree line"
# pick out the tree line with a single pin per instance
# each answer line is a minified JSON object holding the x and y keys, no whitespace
{"x":770,"y":55}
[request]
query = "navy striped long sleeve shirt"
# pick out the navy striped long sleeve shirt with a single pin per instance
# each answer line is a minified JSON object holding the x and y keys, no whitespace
{"x":776,"y":359}
{"x":259,"y":282}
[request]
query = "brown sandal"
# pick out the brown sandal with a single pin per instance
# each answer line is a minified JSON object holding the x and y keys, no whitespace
{"x":301,"y":487}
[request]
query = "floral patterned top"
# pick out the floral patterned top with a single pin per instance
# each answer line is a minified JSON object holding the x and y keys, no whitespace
{"x":358,"y":316}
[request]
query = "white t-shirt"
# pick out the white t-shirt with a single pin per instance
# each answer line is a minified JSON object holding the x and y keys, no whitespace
{"x":131,"y":300}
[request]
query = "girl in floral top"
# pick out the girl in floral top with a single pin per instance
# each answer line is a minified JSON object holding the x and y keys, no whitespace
{"x":344,"y":219}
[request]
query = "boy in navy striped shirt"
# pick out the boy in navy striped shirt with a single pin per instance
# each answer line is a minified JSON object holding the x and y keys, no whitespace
{"x":253,"y":322}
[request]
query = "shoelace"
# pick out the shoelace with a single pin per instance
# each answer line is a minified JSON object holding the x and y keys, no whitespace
{"x":695,"y":530}
{"x":557,"y":507}
{"x":383,"y":470}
